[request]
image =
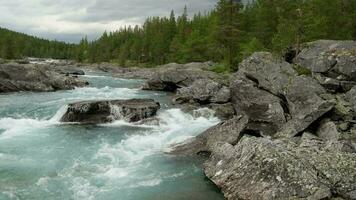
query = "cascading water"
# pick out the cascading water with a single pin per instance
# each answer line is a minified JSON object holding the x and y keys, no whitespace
{"x":41,"y":158}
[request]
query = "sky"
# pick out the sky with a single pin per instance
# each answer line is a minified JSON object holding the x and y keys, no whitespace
{"x":71,"y":20}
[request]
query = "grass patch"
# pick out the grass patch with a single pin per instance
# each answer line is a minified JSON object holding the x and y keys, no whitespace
{"x":302,"y":70}
{"x":221,"y":68}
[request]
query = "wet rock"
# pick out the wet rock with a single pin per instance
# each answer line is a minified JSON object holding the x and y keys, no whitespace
{"x":70,"y":70}
{"x":223,"y":111}
{"x":228,"y":132}
{"x":261,"y":168}
{"x":23,"y":61}
{"x":41,"y":78}
{"x":97,"y":112}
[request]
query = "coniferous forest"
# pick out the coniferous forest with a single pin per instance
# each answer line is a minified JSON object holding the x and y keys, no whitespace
{"x":225,"y":34}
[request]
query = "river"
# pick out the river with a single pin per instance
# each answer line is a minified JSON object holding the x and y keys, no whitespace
{"x":41,"y":158}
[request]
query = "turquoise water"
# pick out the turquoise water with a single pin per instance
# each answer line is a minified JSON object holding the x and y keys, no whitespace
{"x":41,"y":158}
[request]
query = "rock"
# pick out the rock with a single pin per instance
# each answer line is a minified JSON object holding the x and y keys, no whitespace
{"x":70,"y":70}
{"x":122,"y":72}
{"x":2,"y":61}
{"x":263,"y":108}
{"x":96,"y":112}
{"x":301,"y":122}
{"x":351,"y":98}
{"x":333,"y":85}
{"x":328,"y":131}
{"x":172,"y":77}
{"x":344,"y":126}
{"x":278,"y":99}
{"x":23,"y":61}
{"x":203,"y":91}
{"x":228,"y":132}
{"x":261,"y":168}
{"x":223,"y":111}
{"x":268,"y":72}
{"x":335,"y":58}
{"x":40,"y":78}
{"x":135,"y":73}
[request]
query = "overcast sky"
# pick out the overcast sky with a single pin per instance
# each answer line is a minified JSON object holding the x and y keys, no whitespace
{"x":70,"y":20}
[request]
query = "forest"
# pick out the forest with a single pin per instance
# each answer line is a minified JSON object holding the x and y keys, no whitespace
{"x":225,"y":35}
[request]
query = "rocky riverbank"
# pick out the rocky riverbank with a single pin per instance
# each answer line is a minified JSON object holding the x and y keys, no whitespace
{"x":25,"y":76}
{"x":290,"y":131}
{"x":289,"y":125}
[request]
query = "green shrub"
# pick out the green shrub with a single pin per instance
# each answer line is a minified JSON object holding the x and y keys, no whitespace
{"x":302,"y":70}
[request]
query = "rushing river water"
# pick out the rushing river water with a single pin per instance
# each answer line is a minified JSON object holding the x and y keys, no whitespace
{"x":41,"y":158}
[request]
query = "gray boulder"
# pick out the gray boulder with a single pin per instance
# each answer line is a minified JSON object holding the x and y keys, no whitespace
{"x":275,"y":98}
{"x":337,"y":59}
{"x":269,"y":73}
{"x":264,"y":109}
{"x":203,"y":91}
{"x":328,"y":130}
{"x":351,"y":97}
{"x":70,"y":70}
{"x":260,"y":168}
{"x":96,"y":112}
{"x":173,"y":77}
{"x":223,"y":111}
{"x":228,"y":132}
{"x":40,"y":78}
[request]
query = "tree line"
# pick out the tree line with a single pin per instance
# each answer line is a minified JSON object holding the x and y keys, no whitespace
{"x":17,"y":45}
{"x":226,"y":34}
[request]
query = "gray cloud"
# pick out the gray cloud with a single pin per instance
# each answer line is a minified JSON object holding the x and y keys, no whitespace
{"x":70,"y":20}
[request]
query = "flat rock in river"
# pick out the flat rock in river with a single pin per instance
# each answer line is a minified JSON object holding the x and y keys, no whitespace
{"x":96,"y":112}
{"x":39,"y":78}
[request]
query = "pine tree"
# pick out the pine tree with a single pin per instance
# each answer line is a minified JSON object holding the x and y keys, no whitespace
{"x":228,"y":28}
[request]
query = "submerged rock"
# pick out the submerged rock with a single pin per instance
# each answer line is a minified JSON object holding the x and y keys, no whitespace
{"x":40,"y":78}
{"x":96,"y":112}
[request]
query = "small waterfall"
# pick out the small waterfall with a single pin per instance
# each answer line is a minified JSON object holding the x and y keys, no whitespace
{"x":204,"y":112}
{"x":59,"y":114}
{"x":116,"y":112}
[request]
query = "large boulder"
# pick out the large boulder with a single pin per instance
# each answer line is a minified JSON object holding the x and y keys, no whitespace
{"x":70,"y":70}
{"x":265,"y":110}
{"x":336,"y":60}
{"x":175,"y":76}
{"x":275,"y":97}
{"x":204,"y":91}
{"x":351,"y":97}
{"x":97,"y":112}
{"x":42,"y":78}
{"x":261,"y":168}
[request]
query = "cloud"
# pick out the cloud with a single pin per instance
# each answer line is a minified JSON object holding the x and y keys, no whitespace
{"x":70,"y":20}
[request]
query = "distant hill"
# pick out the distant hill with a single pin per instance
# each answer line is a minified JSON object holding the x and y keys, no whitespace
{"x":16,"y":45}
